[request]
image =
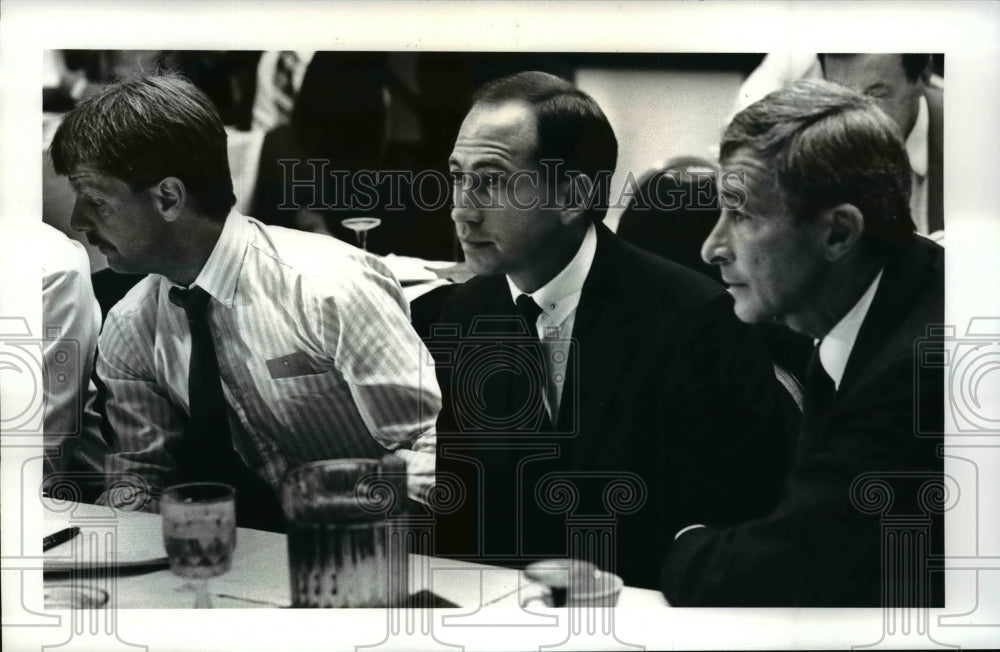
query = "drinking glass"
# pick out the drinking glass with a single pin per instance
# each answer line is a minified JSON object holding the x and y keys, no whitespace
{"x":361,"y":226}
{"x":340,"y":549}
{"x":199,"y":533}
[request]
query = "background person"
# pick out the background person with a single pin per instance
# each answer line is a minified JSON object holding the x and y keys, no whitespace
{"x":905,"y":87}
{"x":71,"y":321}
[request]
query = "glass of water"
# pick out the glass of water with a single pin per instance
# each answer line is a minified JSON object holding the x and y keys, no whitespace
{"x":341,"y":552}
{"x":199,"y":533}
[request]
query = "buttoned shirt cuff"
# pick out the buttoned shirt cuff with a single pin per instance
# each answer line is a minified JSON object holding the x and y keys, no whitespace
{"x":419,"y":473}
{"x":690,"y":527}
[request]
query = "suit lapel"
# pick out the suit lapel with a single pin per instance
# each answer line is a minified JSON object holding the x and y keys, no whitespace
{"x":906,"y":273}
{"x":602,"y":340}
{"x":500,"y":304}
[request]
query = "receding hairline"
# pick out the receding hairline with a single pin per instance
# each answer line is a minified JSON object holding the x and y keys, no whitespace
{"x":491,"y":104}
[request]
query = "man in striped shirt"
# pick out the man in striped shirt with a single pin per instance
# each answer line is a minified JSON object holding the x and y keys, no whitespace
{"x":311,"y":336}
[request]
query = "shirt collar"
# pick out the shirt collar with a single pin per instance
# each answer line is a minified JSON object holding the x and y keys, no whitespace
{"x":222,"y":269}
{"x":916,"y":142}
{"x":560,"y":296}
{"x":835,"y":349}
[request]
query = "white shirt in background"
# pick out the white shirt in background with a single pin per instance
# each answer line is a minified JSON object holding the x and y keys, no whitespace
{"x":71,"y":321}
{"x":916,"y":149}
{"x":266,"y":114}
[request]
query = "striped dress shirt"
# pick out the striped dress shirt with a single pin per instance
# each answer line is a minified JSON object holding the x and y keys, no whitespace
{"x":316,"y":355}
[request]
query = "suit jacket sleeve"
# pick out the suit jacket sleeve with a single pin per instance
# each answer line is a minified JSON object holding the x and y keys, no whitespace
{"x":819,"y":547}
{"x":729,"y":418}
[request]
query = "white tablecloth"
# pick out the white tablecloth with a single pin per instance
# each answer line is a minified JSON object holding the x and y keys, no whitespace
{"x":259,"y":574}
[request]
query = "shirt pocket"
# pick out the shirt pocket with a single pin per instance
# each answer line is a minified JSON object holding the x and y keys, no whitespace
{"x":301,"y":402}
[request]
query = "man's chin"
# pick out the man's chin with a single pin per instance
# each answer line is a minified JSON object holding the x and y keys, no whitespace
{"x":119,"y":266}
{"x":749,"y":314}
{"x":480,"y":267}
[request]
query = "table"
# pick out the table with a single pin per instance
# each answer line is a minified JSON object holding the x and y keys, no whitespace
{"x":259,"y":574}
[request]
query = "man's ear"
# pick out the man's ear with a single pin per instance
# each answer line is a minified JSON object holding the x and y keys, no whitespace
{"x":845,"y":226}
{"x":577,"y":193}
{"x":169,"y":197}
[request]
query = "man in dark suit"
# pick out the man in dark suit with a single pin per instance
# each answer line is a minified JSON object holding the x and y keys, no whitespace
{"x":816,"y":233}
{"x":598,"y":396}
{"x":902,"y":86}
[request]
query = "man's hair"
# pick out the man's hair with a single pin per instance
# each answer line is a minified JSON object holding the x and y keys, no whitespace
{"x":146,"y":128}
{"x":572,"y":128}
{"x":914,"y":65}
{"x":830,"y":145}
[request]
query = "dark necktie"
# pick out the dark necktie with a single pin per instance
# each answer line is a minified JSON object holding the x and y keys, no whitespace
{"x":533,"y":389}
{"x":529,"y":311}
{"x":819,"y":389}
{"x":207,"y":450}
{"x":819,"y":394}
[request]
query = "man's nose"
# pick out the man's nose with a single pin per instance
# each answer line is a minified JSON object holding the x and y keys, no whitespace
{"x":78,"y":221}
{"x":464,"y":207}
{"x":715,"y":250}
{"x":464,"y":214}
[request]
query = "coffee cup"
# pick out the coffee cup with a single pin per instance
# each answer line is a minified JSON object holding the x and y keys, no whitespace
{"x":572,"y":583}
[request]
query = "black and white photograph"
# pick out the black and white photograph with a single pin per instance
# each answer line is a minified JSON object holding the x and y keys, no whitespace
{"x":501,"y":325}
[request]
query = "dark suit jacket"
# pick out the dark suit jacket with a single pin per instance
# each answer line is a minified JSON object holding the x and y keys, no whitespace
{"x":822,"y":546}
{"x":935,"y":158}
{"x":670,"y":415}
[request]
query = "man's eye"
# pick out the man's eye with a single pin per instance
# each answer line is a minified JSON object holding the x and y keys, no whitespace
{"x":461,"y":180}
{"x":737,"y":216}
{"x":493,"y":181}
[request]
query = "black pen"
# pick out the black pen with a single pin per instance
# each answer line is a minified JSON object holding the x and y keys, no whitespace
{"x":62,"y":536}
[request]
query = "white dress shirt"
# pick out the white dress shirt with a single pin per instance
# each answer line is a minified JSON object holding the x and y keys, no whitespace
{"x":316,"y":355}
{"x":835,"y":349}
{"x":916,"y":149}
{"x":559,"y":299}
{"x":71,"y":320}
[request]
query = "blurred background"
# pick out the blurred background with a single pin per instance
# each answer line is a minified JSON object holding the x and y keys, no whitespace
{"x":400,"y":111}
